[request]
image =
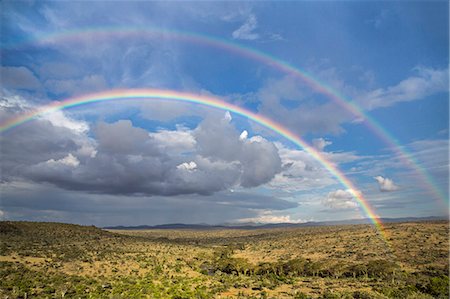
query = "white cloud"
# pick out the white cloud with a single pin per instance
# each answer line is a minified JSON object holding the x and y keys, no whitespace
{"x":269,"y":217}
{"x":174,"y":142}
{"x":60,"y":119}
{"x":191,"y":166}
{"x":300,"y":172}
{"x":243,"y":135}
{"x":227,"y":117}
{"x":12,"y":104}
{"x":12,"y":101}
{"x":341,"y":199}
{"x":385,"y":184}
{"x":69,"y":160}
{"x":320,"y":143}
{"x":246,"y":31}
{"x":426,"y":82}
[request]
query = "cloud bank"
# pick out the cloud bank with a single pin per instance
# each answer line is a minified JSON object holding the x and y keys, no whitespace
{"x":120,"y":158}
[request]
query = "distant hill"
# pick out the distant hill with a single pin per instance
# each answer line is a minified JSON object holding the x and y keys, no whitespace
{"x":252,"y":225}
{"x":53,"y":233}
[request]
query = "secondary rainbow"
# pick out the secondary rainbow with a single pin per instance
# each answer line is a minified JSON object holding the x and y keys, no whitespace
{"x":149,"y":94}
{"x":406,"y":157}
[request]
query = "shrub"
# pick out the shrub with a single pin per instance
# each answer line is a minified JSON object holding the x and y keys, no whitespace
{"x":438,"y":287}
{"x":381,"y":268}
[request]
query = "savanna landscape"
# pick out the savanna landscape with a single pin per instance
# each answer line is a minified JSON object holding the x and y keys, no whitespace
{"x":55,"y":260}
{"x":224,"y":149}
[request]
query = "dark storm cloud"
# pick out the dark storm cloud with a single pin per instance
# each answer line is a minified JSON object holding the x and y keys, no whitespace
{"x":32,"y":143}
{"x":128,"y":161}
{"x":120,"y":159}
{"x":40,"y":203}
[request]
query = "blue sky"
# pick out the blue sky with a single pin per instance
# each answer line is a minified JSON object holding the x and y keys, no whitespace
{"x":156,"y":162}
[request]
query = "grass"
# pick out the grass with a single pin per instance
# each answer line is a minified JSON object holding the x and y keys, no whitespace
{"x":54,"y":260}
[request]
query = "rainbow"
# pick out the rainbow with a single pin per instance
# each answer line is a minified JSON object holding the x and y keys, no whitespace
{"x":155,"y":94}
{"x":406,"y":157}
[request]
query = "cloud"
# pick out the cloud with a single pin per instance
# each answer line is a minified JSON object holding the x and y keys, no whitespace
{"x":59,"y":119}
{"x":320,"y":143}
{"x":246,"y":31}
{"x":258,"y":157}
{"x":308,"y":113}
{"x":123,"y":138}
{"x":300,"y":172}
{"x":174,"y":142}
{"x":269,"y":217}
{"x":191,"y":166}
{"x":40,"y":140}
{"x":18,"y":78}
{"x":305,"y":114}
{"x":69,"y":160}
{"x":340,"y":200}
{"x":32,"y":202}
{"x":260,"y":160}
{"x":119,"y":158}
{"x":426,"y":82}
{"x":243,"y":135}
{"x":385,"y":184}
{"x":227,"y":116}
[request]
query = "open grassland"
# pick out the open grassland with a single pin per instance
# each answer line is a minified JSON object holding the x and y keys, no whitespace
{"x":52,"y":260}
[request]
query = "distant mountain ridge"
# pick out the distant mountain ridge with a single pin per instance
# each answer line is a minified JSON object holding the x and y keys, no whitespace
{"x":255,"y":225}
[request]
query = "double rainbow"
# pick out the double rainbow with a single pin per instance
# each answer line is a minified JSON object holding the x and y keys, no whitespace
{"x":75,"y":35}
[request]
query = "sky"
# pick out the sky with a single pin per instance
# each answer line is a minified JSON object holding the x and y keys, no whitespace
{"x":365,"y":85}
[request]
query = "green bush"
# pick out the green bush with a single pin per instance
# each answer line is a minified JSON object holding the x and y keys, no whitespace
{"x":438,"y":287}
{"x":381,"y":268}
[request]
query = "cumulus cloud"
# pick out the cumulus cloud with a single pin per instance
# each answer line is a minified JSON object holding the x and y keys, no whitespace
{"x":243,"y":135}
{"x":174,"y":142}
{"x":120,"y":158}
{"x":340,"y":200}
{"x":44,"y":139}
{"x":385,"y":184}
{"x":246,"y":31}
{"x":258,"y":158}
